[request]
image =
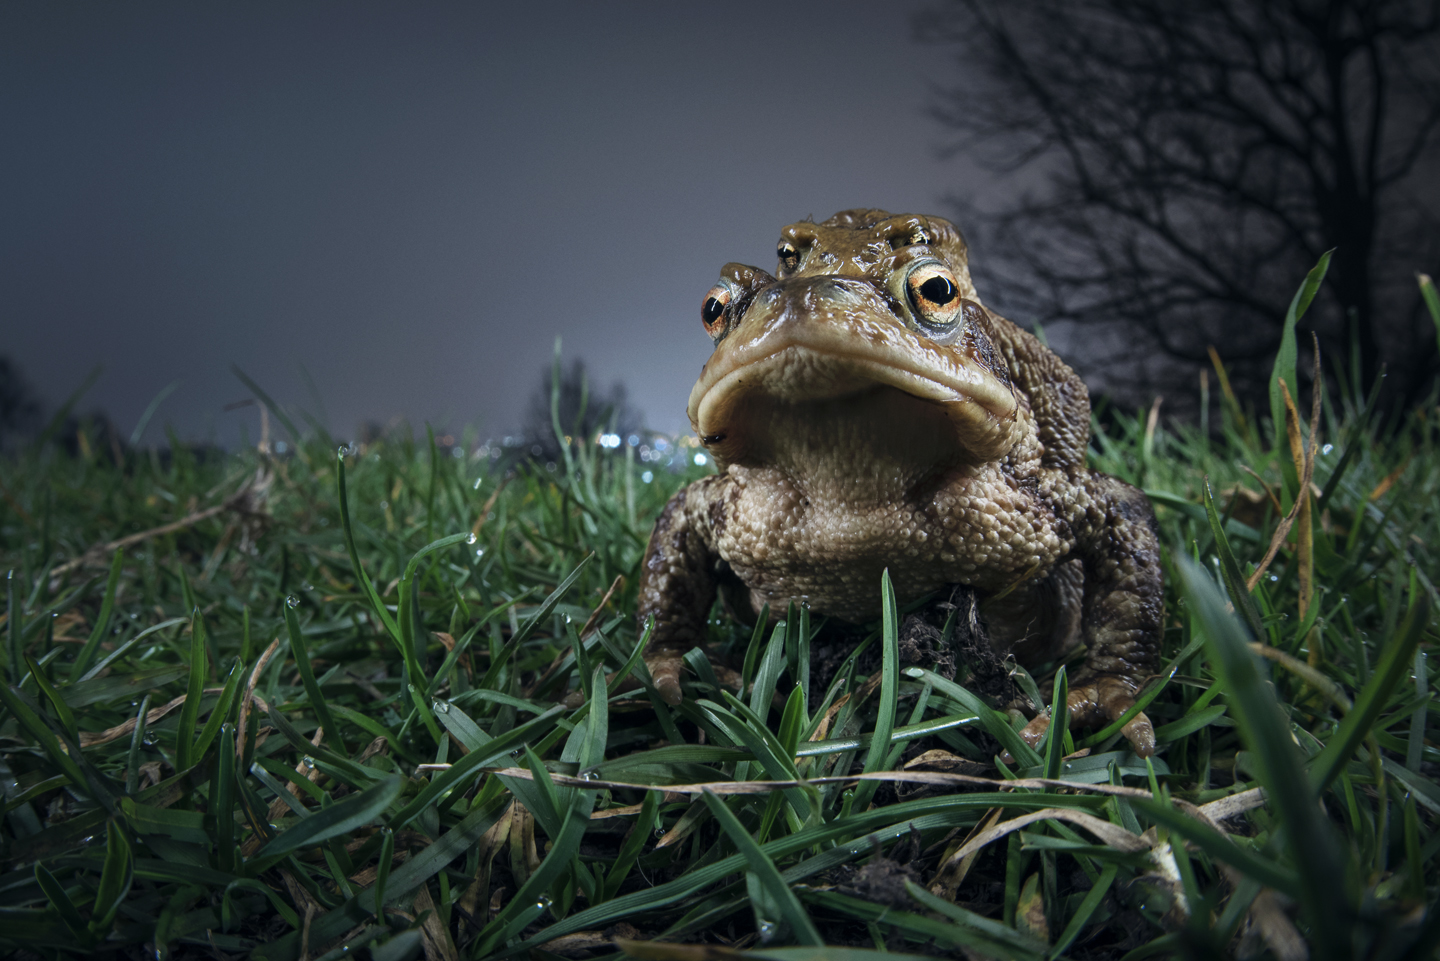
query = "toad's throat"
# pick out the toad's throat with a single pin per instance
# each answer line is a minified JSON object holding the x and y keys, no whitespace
{"x":800,"y":408}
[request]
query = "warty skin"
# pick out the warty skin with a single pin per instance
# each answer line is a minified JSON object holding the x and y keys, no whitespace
{"x":866,"y":412}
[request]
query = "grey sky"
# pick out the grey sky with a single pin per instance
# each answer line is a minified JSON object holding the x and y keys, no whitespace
{"x":412,"y":201}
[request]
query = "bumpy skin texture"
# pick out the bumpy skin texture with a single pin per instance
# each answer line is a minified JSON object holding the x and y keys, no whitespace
{"x":866,"y":412}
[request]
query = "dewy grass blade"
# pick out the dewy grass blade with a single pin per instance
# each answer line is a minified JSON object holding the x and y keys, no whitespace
{"x":190,"y":711}
{"x":301,"y":653}
{"x":563,"y":850}
{"x":377,"y":605}
{"x":764,"y":869}
{"x":889,"y":693}
{"x":220,"y":712}
{"x":1266,"y":729}
{"x":405,"y":615}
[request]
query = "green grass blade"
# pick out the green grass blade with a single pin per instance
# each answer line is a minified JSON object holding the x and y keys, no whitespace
{"x":342,"y":817}
{"x":57,"y":703}
{"x":220,"y":713}
{"x":102,"y":620}
{"x":190,"y":710}
{"x":1266,"y":729}
{"x":222,"y":798}
{"x":793,"y":913}
{"x":633,"y":844}
{"x":1230,"y":570}
{"x":1284,"y":368}
{"x":115,"y":879}
{"x":1374,"y":697}
{"x":377,"y":605}
{"x":59,"y":900}
{"x":301,"y":654}
{"x":1432,"y":301}
{"x":31,"y":721}
{"x":889,"y":693}
{"x":1059,"y":724}
{"x":993,"y":722}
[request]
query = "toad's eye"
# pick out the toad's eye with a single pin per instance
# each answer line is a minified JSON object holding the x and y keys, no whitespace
{"x":712,"y":312}
{"x":934,"y":295}
{"x":788,"y":254}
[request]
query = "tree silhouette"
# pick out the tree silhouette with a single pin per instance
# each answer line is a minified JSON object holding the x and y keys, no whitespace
{"x":19,"y":407}
{"x":1196,"y":159}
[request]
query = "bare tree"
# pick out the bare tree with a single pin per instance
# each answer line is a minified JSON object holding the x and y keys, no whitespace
{"x":1196,"y":159}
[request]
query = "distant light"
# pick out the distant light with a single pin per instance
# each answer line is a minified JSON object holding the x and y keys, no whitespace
{"x":660,"y":443}
{"x":457,"y":452}
{"x":633,"y":440}
{"x":280,"y":447}
{"x":701,"y":460}
{"x":610,"y":441}
{"x":647,"y":477}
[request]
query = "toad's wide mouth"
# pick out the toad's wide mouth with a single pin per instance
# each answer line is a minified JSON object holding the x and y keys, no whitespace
{"x":876,"y":380}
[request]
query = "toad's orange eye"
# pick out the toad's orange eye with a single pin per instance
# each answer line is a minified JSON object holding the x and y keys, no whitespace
{"x":712,"y":312}
{"x":934,"y":295}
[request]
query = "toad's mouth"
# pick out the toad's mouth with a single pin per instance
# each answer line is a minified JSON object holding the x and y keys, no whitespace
{"x":797,"y":389}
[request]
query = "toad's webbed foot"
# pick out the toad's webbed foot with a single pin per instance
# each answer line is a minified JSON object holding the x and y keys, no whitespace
{"x":1097,"y":701}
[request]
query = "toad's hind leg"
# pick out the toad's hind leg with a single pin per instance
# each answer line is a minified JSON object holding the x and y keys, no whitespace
{"x":1119,"y":547}
{"x":1040,"y":619}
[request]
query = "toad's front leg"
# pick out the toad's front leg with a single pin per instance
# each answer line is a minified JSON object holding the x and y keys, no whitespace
{"x":1118,"y":542}
{"x":678,"y":583}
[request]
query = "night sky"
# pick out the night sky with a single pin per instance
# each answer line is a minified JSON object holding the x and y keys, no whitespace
{"x":405,"y":204}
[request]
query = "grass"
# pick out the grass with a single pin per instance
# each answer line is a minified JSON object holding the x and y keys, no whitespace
{"x":323,"y":710}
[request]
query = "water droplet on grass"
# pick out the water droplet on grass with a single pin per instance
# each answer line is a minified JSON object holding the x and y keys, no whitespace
{"x":292,"y":601}
{"x":309,"y":761}
{"x":472,"y":538}
{"x":442,"y":707}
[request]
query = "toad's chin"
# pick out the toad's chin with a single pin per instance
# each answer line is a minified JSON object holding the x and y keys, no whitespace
{"x":803,"y":402}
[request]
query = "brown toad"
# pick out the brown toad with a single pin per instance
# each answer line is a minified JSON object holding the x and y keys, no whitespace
{"x":865,"y":411}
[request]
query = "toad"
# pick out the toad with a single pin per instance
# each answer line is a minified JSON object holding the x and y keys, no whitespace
{"x":866,"y":411}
